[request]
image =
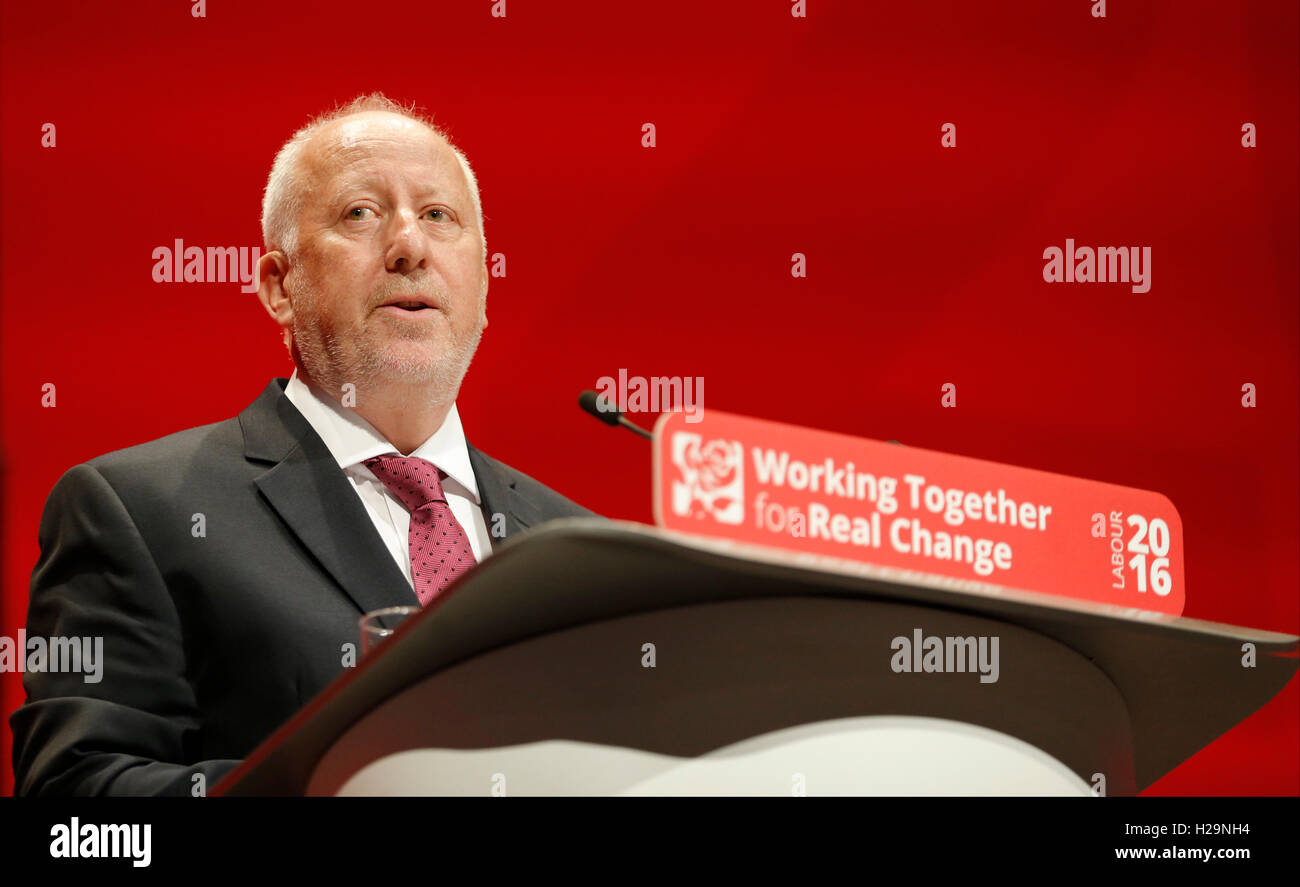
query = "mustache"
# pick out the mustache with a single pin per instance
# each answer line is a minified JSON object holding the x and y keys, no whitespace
{"x":305,"y":287}
{"x":402,"y":290}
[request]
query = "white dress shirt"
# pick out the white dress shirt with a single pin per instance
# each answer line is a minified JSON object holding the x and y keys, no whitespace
{"x":351,"y":440}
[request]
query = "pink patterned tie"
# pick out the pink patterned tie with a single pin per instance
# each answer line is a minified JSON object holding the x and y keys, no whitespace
{"x":440,"y":549}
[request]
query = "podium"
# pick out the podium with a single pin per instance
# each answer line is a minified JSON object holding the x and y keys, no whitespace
{"x":595,"y":657}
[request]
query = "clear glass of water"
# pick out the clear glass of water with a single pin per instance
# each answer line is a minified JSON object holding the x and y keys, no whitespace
{"x":379,"y":624}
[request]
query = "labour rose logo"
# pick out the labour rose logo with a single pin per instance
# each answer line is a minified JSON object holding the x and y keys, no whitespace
{"x":712,"y":478}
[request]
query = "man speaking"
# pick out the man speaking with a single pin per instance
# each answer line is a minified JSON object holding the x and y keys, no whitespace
{"x":226,"y":566}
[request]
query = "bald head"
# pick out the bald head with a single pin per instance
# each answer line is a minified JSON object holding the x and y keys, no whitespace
{"x":376,"y":268}
{"x":305,"y":162}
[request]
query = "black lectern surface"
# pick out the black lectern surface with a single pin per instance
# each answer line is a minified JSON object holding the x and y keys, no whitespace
{"x":544,"y":640}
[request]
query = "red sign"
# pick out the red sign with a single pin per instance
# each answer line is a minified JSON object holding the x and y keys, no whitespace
{"x":802,"y":490}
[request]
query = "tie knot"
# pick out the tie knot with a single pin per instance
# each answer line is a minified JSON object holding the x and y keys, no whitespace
{"x":415,"y":481}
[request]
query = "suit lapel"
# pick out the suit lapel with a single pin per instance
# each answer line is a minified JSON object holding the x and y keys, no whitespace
{"x":499,"y":495}
{"x":312,"y":495}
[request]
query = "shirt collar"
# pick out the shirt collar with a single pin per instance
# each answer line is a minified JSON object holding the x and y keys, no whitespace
{"x":351,"y":439}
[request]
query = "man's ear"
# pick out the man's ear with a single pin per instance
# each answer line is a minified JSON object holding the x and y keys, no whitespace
{"x":483,"y":298}
{"x":271,"y":269}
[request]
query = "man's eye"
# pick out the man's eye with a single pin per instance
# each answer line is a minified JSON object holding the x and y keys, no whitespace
{"x":352,"y":213}
{"x":441,"y":214}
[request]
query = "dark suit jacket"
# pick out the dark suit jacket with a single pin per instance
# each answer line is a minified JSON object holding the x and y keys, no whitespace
{"x":210,"y":641}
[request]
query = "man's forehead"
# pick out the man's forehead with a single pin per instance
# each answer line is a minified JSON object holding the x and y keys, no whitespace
{"x":354,"y":129}
{"x":344,"y":146}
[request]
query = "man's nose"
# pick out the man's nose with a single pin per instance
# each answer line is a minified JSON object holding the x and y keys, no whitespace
{"x":406,"y":249}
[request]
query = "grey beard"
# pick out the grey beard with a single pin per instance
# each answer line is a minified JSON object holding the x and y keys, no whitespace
{"x":329,"y":366}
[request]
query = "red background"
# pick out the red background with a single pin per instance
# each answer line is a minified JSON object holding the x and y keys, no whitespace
{"x":775,"y":135}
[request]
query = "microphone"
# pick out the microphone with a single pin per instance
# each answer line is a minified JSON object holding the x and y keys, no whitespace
{"x":589,"y":401}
